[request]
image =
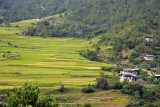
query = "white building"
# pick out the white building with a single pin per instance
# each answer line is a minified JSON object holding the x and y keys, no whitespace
{"x":149,"y":57}
{"x":157,"y":76}
{"x":79,"y":31}
{"x":39,"y":19}
{"x":128,"y":74}
{"x":149,"y":39}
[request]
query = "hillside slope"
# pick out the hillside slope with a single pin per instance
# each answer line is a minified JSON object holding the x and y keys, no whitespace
{"x":122,"y":24}
{"x":51,"y":62}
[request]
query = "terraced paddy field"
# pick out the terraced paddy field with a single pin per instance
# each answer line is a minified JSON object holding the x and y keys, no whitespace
{"x":51,"y":62}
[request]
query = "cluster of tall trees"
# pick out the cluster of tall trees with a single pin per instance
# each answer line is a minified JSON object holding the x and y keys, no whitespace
{"x":47,"y":29}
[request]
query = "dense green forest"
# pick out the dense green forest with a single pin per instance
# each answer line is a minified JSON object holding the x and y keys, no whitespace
{"x":15,"y":10}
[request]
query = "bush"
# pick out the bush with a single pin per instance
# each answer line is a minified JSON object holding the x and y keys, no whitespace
{"x":131,"y":88}
{"x":61,"y":89}
{"x":102,"y":83}
{"x":4,"y":55}
{"x":8,"y":51}
{"x":111,"y":68}
{"x":108,"y":68}
{"x":156,"y":81}
{"x":9,"y":43}
{"x":87,"y":105}
{"x":117,"y":85}
{"x":15,"y":46}
{"x":88,"y":89}
{"x":136,"y":103}
{"x":47,"y":102}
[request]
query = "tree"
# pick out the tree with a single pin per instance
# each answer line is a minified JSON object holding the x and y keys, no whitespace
{"x":88,"y":89}
{"x":102,"y":83}
{"x":1,"y":20}
{"x":7,"y":24}
{"x":131,"y":88}
{"x":4,"y":55}
{"x":61,"y":89}
{"x":28,"y":95}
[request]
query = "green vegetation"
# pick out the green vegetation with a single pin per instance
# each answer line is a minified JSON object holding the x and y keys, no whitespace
{"x":88,"y":89}
{"x":51,"y":63}
{"x":102,"y":83}
{"x":28,"y":95}
{"x":120,"y":30}
{"x":142,"y":96}
{"x":62,"y":88}
{"x":107,"y":31}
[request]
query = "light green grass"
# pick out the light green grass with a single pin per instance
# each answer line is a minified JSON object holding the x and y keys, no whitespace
{"x":44,"y":60}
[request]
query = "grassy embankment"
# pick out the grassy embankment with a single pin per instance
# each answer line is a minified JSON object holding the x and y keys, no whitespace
{"x":50,"y":62}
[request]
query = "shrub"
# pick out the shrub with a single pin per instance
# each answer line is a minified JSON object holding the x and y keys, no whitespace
{"x":61,"y":89}
{"x":102,"y":83}
{"x":108,"y":68}
{"x":111,"y":68}
{"x":8,"y":51}
{"x":16,"y":46}
{"x":4,"y":55}
{"x":138,"y":103}
{"x":88,"y":89}
{"x":9,"y":43}
{"x":131,"y":88}
{"x":47,"y":102}
{"x":156,"y":81}
{"x":87,"y":105}
{"x":117,"y":85}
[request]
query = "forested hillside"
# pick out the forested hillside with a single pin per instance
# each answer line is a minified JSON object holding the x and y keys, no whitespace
{"x":136,"y":20}
{"x":15,"y":10}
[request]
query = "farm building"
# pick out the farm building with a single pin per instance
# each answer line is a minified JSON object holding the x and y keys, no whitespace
{"x":79,"y":31}
{"x":149,"y":39}
{"x":41,"y":6}
{"x":155,"y":75}
{"x":39,"y":19}
{"x":129,"y":74}
{"x":50,"y":21}
{"x":149,"y":57}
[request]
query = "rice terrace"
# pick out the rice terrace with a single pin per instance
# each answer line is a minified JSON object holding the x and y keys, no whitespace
{"x":79,"y":53}
{"x":51,"y":62}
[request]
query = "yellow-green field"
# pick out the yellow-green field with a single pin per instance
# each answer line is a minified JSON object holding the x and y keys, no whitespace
{"x":48,"y":61}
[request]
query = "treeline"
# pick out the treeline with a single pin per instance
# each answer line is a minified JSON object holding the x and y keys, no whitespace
{"x":46,"y":29}
{"x":110,"y":12}
{"x":16,"y":10}
{"x":52,"y":28}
